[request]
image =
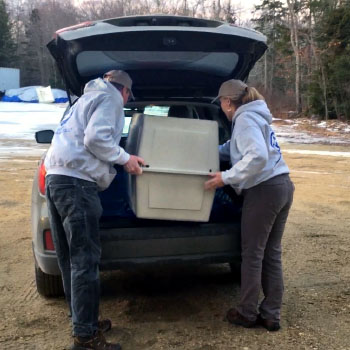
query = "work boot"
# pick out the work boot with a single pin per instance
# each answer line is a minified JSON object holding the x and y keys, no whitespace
{"x":96,"y":342}
{"x":104,"y":325}
{"x":233,"y":316}
{"x":270,"y":325}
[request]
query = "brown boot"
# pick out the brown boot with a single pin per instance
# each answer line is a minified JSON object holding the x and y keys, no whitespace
{"x":96,"y":342}
{"x":233,"y":316}
{"x":104,"y":325}
{"x":270,"y":325}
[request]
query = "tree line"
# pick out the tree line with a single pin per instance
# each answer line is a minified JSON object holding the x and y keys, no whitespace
{"x":308,"y":56}
{"x":306,"y":68}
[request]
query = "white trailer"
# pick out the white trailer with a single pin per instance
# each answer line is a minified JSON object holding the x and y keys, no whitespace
{"x":9,"y":78}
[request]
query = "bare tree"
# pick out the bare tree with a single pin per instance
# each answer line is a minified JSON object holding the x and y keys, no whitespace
{"x":195,"y":7}
{"x":92,"y":10}
{"x":294,"y":39}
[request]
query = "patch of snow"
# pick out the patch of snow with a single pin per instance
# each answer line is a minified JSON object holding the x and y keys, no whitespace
{"x":21,"y":120}
{"x":315,"y":172}
{"x":288,"y":134}
{"x":10,"y":159}
{"x":18,"y":147}
{"x":318,"y":153}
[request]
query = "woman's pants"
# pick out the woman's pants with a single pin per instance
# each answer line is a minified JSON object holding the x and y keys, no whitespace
{"x":264,"y":216}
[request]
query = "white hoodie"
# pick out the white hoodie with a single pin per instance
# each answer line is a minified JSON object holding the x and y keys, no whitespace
{"x":253,"y":149}
{"x":86,"y":143}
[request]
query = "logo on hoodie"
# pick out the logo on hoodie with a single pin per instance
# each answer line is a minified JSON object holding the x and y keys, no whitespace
{"x":62,"y":129}
{"x":274,"y":144}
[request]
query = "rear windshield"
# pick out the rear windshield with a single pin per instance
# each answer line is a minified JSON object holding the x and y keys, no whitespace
{"x":217,"y":63}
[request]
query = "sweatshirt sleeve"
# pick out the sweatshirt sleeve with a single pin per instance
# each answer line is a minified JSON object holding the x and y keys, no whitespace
{"x":224,"y":151}
{"x":99,"y":136}
{"x":251,"y":144}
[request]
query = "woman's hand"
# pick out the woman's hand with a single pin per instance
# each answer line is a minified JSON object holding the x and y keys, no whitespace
{"x":215,"y":181}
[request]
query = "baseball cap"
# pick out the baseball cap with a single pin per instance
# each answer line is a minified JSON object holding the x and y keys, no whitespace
{"x":119,"y":77}
{"x":232,"y":88}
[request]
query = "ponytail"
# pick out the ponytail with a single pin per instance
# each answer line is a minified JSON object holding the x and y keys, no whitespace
{"x":251,"y":94}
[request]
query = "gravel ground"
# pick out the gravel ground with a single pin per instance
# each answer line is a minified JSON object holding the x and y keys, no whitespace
{"x":183,"y":308}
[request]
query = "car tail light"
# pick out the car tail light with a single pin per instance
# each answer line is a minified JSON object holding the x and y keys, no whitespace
{"x":48,"y":242}
{"x":41,"y":178}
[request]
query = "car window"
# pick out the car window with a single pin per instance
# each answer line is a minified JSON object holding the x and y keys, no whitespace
{"x":151,"y":110}
{"x":181,"y":111}
{"x":161,"y":111}
{"x":127,"y":121}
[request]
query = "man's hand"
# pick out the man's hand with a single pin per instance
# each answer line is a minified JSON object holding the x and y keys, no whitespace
{"x":133,"y":165}
{"x":214,"y":182}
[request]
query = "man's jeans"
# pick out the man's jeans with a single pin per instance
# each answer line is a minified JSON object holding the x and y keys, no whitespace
{"x":74,"y":213}
{"x":264,"y":216}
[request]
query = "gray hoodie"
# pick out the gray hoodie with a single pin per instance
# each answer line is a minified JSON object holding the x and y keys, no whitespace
{"x":253,"y":149}
{"x":86,"y":143}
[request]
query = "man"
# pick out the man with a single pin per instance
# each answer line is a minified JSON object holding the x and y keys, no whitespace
{"x":79,"y":163}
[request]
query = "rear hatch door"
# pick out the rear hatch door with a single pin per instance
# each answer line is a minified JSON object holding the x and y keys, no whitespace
{"x":166,"y":56}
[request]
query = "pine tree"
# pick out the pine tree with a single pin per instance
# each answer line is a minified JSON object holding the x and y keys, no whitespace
{"x":7,"y":46}
{"x":271,"y":22}
{"x":333,"y":43}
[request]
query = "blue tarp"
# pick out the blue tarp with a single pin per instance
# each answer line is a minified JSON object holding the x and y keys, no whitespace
{"x":29,"y":94}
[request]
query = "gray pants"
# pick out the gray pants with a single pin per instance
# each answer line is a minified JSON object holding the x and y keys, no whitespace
{"x":264,"y":215}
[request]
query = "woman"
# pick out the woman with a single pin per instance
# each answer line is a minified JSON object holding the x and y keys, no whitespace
{"x":260,"y":174}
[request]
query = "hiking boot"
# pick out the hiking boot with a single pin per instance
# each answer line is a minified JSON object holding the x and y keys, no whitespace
{"x":233,"y":316}
{"x":104,"y":325}
{"x":96,"y":342}
{"x":270,"y":325}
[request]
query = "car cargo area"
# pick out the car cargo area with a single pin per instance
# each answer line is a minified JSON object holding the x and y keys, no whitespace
{"x":128,"y":240}
{"x":117,"y":201}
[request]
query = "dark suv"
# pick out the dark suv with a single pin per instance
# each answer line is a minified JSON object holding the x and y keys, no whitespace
{"x":177,"y":65}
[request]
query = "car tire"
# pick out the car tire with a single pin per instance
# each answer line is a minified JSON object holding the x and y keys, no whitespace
{"x":48,"y":285}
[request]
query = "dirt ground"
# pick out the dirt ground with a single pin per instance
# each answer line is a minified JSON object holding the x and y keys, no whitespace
{"x":183,"y":308}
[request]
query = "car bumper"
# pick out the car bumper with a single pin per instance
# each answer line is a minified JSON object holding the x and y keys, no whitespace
{"x":130,"y":247}
{"x":204,"y":243}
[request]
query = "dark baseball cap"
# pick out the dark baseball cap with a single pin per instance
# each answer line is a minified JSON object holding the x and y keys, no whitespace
{"x":119,"y":77}
{"x":233,"y":88}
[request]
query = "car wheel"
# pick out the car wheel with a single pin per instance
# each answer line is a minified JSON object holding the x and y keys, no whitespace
{"x":236,"y":270}
{"x":48,"y":285}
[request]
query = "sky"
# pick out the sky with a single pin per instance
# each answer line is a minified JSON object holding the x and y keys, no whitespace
{"x":245,"y":7}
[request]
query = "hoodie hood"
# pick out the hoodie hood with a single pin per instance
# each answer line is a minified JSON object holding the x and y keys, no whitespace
{"x":258,"y":107}
{"x":99,"y":85}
